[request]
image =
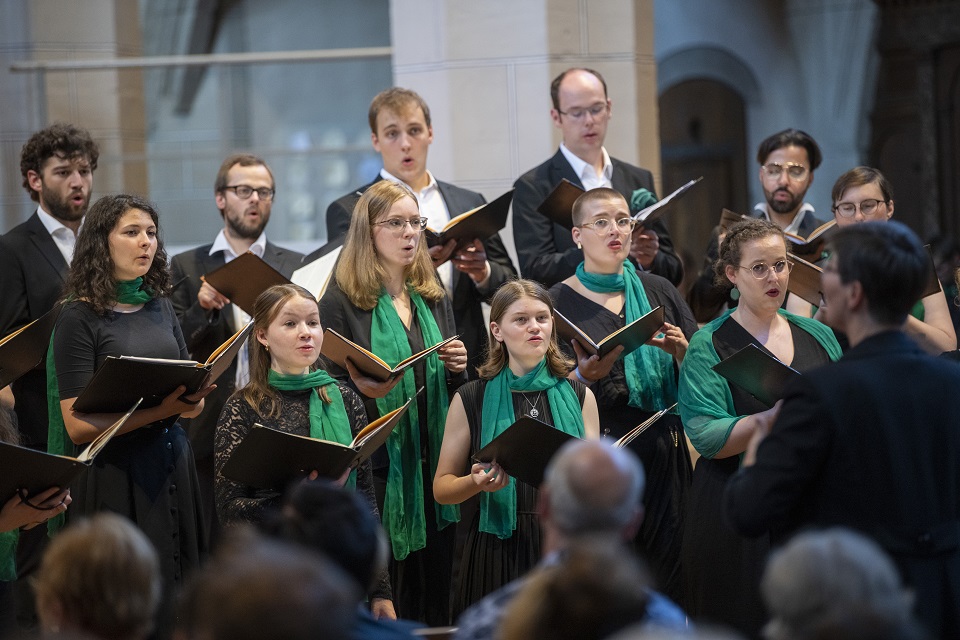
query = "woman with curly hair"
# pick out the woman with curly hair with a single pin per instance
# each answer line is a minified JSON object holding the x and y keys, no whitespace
{"x":117,"y":304}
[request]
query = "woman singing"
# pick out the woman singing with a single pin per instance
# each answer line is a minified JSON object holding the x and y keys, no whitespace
{"x":721,"y":570}
{"x":524,"y":374}
{"x":386,"y":297}
{"x":287,"y":392}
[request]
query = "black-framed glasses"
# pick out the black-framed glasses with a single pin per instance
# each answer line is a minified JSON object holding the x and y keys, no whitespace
{"x":596,"y":111}
{"x":867,"y":207}
{"x":603,"y":225}
{"x":397,"y":225}
{"x":244,"y":191}
{"x":794,"y":170}
{"x":761,"y":269}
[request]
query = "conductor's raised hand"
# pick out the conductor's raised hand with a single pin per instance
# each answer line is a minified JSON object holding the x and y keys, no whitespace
{"x":592,"y":367}
{"x":453,"y":355}
{"x":489,"y":476}
{"x":370,"y":387}
{"x":209,"y":298}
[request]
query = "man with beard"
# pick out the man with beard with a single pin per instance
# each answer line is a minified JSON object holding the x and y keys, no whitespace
{"x":243,"y":191}
{"x":787,"y":162}
{"x":57,"y":166}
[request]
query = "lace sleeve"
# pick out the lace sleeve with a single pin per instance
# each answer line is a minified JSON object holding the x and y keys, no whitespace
{"x":235,"y":502}
{"x":358,"y":420}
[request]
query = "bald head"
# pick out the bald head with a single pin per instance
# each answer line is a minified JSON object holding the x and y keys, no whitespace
{"x":593,"y":487}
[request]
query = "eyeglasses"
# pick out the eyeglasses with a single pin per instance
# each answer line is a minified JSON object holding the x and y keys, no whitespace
{"x":397,"y":225}
{"x":603,"y":225}
{"x":867,"y":207}
{"x":794,"y":171}
{"x":761,"y":269}
{"x":243,"y":192}
{"x":579,"y":114}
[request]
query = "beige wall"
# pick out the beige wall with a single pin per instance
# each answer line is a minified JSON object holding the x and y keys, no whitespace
{"x":487,"y":79}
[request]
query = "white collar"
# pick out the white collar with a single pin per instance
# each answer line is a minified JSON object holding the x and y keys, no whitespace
{"x":794,"y":225}
{"x":580,"y":166}
{"x":220,"y":244}
{"x":386,"y":175}
{"x":53,"y":225}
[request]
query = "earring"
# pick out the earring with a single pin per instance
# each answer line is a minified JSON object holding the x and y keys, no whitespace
{"x":735,"y":293}
{"x":267,"y":347}
{"x":579,"y":246}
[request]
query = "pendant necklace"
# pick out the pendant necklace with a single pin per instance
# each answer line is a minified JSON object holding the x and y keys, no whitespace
{"x":533,"y":413}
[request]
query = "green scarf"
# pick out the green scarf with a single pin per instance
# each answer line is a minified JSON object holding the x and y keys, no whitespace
{"x":8,"y":551}
{"x":498,"y":510}
{"x":403,"y":515}
{"x":128,"y":292}
{"x":649,"y":370}
{"x":327,"y":421}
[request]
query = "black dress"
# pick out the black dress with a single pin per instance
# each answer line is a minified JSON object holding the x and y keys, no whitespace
{"x":422,"y":580}
{"x":488,"y":562}
{"x":721,"y":569}
{"x":148,"y":474}
{"x":237,"y":503}
{"x":662,"y":448}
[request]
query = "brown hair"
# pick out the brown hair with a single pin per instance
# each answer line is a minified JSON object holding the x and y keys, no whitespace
{"x":59,"y":139}
{"x":857,"y":177}
{"x":397,"y":100}
{"x":555,"y":85}
{"x":104,"y":574}
{"x":731,"y":249}
{"x":497,"y":356}
{"x":790,"y":138}
{"x":244,"y":160}
{"x":600,"y":194}
{"x":91,"y":272}
{"x":359,"y":272}
{"x":258,"y":393}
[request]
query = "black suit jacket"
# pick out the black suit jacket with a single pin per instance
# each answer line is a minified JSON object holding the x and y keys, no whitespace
{"x":872,"y":443}
{"x":546,"y":250}
{"x":467,"y":297}
{"x":33,"y":273}
{"x":205,"y":330}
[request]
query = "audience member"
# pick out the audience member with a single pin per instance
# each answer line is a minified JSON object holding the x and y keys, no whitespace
{"x":868,"y":443}
{"x":401,"y":132}
{"x":243,"y":193}
{"x":581,"y":111}
{"x":99,"y":577}
{"x":254,"y":589}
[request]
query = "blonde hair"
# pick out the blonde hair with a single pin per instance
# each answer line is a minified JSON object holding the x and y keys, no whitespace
{"x":104,"y":574}
{"x":359,"y":272}
{"x":258,"y":393}
{"x":497,"y":356}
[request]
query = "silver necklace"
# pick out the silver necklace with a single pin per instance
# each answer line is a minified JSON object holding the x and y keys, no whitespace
{"x":533,"y":413}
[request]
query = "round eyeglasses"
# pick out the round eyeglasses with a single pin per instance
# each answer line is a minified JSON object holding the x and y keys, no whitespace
{"x":794,"y":171}
{"x":603,"y":225}
{"x":867,"y":207}
{"x":397,"y":225}
{"x":761,"y":269}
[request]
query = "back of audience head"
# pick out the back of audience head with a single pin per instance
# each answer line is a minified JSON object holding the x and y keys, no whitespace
{"x":819,"y":576}
{"x":596,"y":591}
{"x":592,"y":487}
{"x":335,"y":522}
{"x":642,"y":631}
{"x":99,"y":577}
{"x":889,"y":262}
{"x":257,"y":588}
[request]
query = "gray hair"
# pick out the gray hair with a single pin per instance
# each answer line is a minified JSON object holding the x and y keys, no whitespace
{"x":594,"y":487}
{"x":820,"y":573}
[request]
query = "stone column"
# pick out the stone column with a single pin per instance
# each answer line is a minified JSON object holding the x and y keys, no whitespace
{"x":485,"y":70}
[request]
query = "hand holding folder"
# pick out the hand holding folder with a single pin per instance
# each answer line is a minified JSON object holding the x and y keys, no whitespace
{"x":479,"y":223}
{"x":524,"y":449}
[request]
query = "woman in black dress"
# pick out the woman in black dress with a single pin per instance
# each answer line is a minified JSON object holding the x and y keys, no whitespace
{"x":524,"y":374}
{"x":606,"y":293}
{"x":287,"y":392}
{"x":386,"y":297}
{"x":117,"y":305}
{"x":721,"y":569}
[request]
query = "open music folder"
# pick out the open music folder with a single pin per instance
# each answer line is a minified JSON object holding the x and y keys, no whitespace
{"x":524,"y":449}
{"x":758,"y":373}
{"x":481,"y":222}
{"x":243,"y":279}
{"x":337,"y":349}
{"x":632,"y":336}
{"x":26,"y":348}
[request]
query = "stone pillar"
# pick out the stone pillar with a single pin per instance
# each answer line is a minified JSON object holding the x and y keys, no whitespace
{"x":108,"y":103}
{"x":485,"y":70}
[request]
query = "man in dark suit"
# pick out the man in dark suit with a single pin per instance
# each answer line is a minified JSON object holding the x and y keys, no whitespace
{"x":871,"y":442}
{"x":243,"y":192}
{"x":581,"y":110}
{"x":57,"y":166}
{"x":401,"y":132}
